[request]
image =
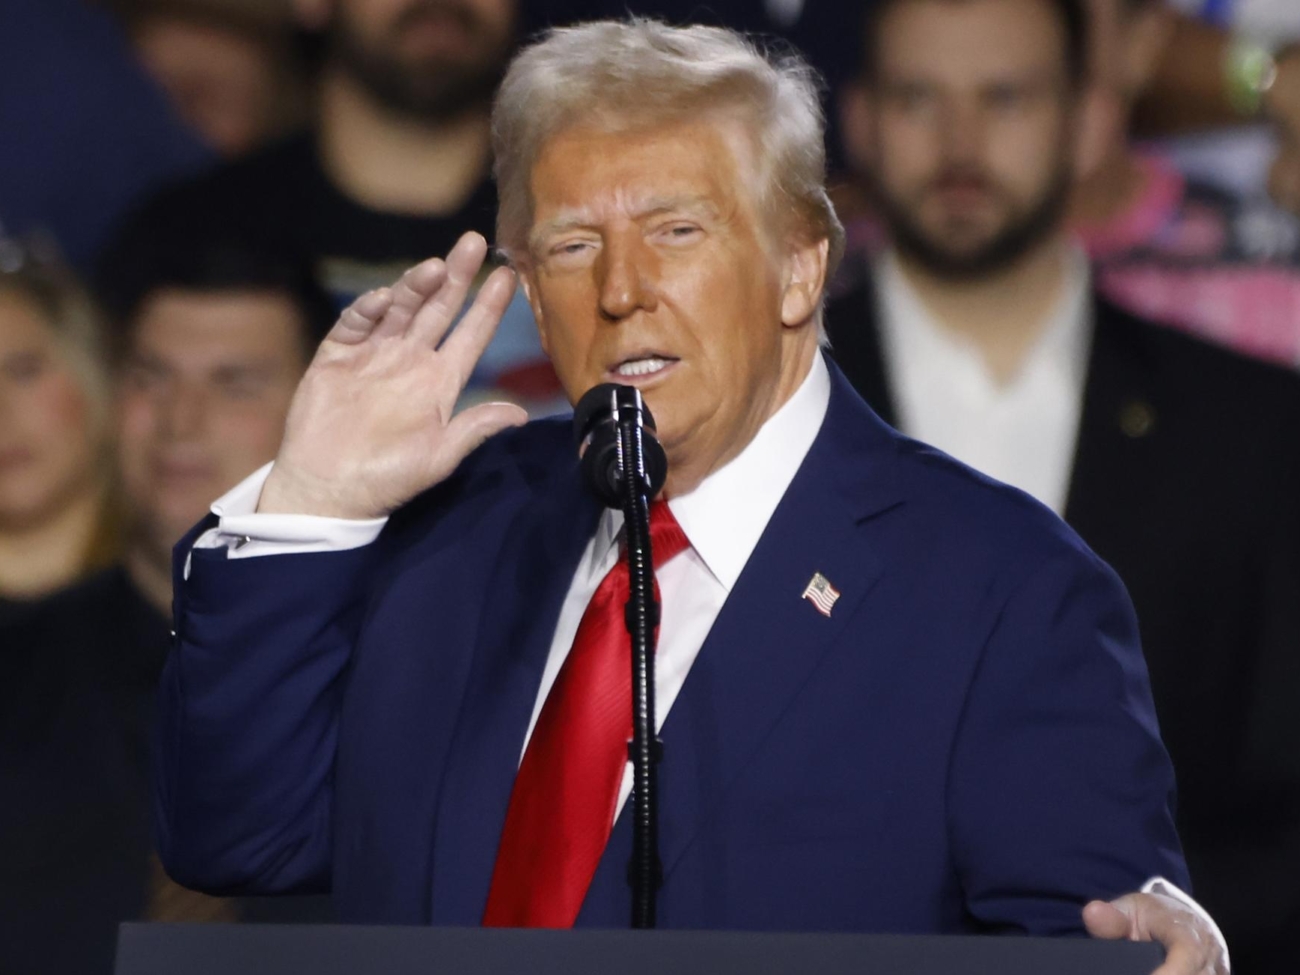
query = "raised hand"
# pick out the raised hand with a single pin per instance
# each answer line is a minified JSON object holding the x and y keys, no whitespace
{"x":371,"y":424}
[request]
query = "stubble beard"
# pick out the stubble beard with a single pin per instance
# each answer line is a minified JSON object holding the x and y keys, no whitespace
{"x":433,"y":91}
{"x":1019,"y":235}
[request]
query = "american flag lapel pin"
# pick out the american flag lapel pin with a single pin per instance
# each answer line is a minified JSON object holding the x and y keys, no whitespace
{"x":821,"y":594}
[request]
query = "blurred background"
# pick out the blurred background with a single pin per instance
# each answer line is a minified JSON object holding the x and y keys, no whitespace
{"x":190,"y":191}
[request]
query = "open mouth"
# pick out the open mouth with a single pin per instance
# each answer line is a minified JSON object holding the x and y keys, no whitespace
{"x":642,"y":367}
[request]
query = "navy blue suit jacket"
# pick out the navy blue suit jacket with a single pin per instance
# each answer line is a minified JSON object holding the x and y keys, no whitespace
{"x":966,"y":743}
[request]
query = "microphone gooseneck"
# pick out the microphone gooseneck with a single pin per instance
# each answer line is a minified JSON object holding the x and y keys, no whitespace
{"x":625,"y":466}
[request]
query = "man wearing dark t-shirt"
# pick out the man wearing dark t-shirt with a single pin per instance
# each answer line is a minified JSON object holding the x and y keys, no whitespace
{"x":394,"y":170}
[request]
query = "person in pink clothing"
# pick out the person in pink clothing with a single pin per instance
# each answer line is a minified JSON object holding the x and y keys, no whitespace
{"x":1168,"y":247}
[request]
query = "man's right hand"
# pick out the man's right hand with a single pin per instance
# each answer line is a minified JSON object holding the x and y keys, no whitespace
{"x":372,"y":424}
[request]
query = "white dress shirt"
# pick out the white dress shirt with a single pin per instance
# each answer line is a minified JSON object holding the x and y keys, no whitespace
{"x":723,"y":520}
{"x":1022,"y":432}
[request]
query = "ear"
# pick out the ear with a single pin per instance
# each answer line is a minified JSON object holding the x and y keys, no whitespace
{"x":312,"y":15}
{"x":804,"y":280}
{"x":1100,"y":122}
{"x":857,"y":121}
{"x":527,"y":276}
{"x":1148,"y":34}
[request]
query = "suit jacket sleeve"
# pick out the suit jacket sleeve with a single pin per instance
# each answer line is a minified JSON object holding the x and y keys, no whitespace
{"x":1060,"y":788}
{"x":248,"y":717}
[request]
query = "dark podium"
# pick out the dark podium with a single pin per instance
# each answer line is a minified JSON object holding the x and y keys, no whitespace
{"x":221,"y":949}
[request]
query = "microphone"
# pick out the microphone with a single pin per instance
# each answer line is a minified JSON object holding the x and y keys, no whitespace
{"x":596,"y":421}
{"x":624,"y":465}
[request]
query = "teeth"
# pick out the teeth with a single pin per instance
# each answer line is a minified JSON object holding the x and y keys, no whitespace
{"x":641,"y":367}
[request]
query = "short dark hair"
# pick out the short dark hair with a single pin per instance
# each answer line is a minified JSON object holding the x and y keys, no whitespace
{"x":1071,"y":13}
{"x":152,"y":259}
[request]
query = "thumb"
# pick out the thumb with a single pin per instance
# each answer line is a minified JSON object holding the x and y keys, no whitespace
{"x":1106,"y":921}
{"x":469,"y":429}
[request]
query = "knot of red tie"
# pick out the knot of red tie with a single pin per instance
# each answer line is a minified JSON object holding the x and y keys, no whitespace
{"x":562,"y":807}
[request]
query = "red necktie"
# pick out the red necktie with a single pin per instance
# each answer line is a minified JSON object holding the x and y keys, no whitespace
{"x":562,"y":807}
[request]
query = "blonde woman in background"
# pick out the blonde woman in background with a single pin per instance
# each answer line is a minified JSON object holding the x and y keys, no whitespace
{"x":56,"y":522}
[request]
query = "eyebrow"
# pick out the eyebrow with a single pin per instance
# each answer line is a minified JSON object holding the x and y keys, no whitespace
{"x":580,"y":217}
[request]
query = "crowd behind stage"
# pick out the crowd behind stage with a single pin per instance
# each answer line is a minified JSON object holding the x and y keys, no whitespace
{"x":191,"y":190}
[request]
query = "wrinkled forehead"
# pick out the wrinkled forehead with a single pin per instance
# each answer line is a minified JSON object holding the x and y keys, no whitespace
{"x":695,"y":166}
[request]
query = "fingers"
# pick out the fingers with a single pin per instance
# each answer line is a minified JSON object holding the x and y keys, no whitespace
{"x":409,"y":295}
{"x":1185,"y":952}
{"x":1182,"y":960}
{"x":469,"y":429}
{"x":424,"y":301}
{"x":435,"y":316}
{"x":1190,"y":947}
{"x":359,"y":319}
{"x":465,"y":346}
{"x":1106,"y":921}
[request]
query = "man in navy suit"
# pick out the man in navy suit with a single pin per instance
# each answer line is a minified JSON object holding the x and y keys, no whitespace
{"x":893,"y":695}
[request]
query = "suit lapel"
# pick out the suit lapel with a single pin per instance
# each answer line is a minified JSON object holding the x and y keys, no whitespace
{"x":767,"y":641}
{"x":525,"y":593}
{"x":1115,"y":425}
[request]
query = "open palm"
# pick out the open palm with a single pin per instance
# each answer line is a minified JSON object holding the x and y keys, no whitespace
{"x":373,"y":421}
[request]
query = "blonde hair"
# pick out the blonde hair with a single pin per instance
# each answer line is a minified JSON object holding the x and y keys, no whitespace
{"x":76,"y":324}
{"x":81,"y":337}
{"x":639,"y":72}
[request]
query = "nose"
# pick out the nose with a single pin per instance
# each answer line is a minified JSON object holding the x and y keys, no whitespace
{"x":963,"y":130}
{"x":184,"y":413}
{"x":626,"y":278}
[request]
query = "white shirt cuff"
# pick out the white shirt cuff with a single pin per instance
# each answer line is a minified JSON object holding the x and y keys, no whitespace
{"x":245,"y":533}
{"x":1159,"y":885}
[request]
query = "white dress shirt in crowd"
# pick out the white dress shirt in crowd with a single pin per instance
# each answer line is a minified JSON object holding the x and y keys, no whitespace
{"x":1022,"y":432}
{"x":723,"y":520}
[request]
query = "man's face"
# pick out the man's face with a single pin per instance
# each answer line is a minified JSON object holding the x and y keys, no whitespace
{"x":223,"y":82}
{"x":202,"y":399}
{"x":649,"y":265}
{"x":971,"y":135}
{"x":431,"y":59}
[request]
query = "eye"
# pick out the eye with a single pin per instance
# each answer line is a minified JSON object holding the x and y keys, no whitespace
{"x":24,"y":367}
{"x":912,"y":98}
{"x":240,"y":384}
{"x":143,"y":378}
{"x":679,"y":233}
{"x":571,"y":252}
{"x":1005,"y":97}
{"x":568,"y":248}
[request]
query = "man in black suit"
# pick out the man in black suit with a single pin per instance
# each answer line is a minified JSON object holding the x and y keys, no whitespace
{"x":975,"y":328}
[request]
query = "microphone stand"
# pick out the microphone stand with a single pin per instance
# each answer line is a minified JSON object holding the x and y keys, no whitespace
{"x":641,"y":615}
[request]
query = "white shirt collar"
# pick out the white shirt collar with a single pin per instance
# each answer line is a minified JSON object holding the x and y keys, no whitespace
{"x":909,"y":329}
{"x":726,"y":515}
{"x":1022,"y":431}
{"x":909,"y":332}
